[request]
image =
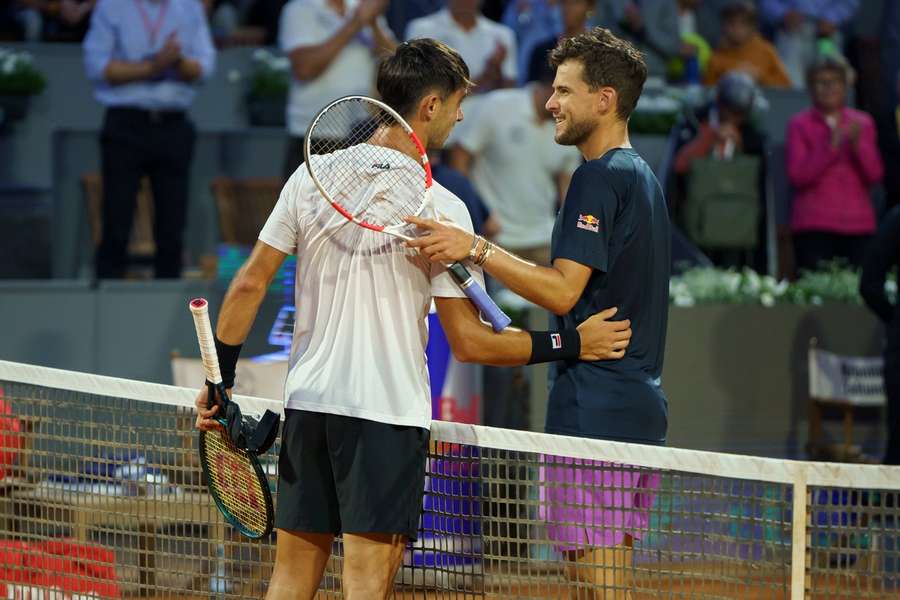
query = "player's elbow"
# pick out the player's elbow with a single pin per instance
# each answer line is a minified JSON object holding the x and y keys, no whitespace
{"x":464,"y":350}
{"x":464,"y":357}
{"x":467,"y":336}
{"x":469,"y":343}
{"x":562,"y":302}
{"x":247,"y":283}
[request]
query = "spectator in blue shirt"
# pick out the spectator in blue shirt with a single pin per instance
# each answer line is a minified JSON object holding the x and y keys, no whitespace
{"x":145,"y":59}
{"x":805,"y":28}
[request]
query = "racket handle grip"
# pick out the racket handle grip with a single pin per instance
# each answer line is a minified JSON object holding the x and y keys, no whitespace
{"x":200,"y":310}
{"x":489,"y":309}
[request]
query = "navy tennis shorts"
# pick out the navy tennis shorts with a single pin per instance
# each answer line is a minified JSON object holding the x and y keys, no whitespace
{"x":341,"y":474}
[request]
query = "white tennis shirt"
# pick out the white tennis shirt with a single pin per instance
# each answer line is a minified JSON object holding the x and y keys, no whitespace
{"x":362,"y":303}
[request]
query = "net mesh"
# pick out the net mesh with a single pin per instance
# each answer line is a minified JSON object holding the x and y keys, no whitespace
{"x":103,"y":496}
{"x":363,"y":161}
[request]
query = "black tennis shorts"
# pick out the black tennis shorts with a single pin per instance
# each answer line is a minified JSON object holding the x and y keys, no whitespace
{"x":339,"y":474}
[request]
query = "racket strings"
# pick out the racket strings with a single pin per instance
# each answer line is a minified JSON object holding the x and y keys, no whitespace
{"x":363,"y":160}
{"x":234,"y":480}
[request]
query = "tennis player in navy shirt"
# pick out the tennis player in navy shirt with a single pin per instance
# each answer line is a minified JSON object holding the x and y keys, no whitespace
{"x":614,"y":221}
{"x":611,"y":253}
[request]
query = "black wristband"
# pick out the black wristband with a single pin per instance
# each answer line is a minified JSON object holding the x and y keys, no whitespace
{"x":228,"y":357}
{"x":548,"y":346}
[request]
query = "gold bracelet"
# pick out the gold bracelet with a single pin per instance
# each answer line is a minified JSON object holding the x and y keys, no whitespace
{"x":484,"y":253}
{"x":490,"y":253}
{"x":480,"y":252}
{"x":472,"y":251}
{"x":488,"y":249}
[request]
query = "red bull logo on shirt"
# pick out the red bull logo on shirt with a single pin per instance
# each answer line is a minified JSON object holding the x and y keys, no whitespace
{"x":589,"y":222}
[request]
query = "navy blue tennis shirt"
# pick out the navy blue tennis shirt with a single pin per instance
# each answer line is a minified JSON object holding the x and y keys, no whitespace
{"x":615,"y":220}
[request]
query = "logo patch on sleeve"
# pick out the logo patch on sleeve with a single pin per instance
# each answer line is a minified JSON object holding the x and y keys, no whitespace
{"x":555,"y":341}
{"x":589,"y":222}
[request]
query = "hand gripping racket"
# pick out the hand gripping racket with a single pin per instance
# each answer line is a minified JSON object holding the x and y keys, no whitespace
{"x":370,"y":165}
{"x":235,"y":478}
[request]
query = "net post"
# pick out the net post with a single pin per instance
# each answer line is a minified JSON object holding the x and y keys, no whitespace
{"x":798,"y":537}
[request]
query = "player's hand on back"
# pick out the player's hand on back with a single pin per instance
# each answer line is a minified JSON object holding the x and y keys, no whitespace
{"x":441,"y":241}
{"x":603,"y":339}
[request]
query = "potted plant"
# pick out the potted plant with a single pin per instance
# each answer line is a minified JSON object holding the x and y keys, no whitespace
{"x":267,"y":93}
{"x":19,"y":80}
{"x":834,"y":282}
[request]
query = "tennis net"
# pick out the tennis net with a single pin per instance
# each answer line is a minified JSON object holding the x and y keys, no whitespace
{"x":102,"y":496}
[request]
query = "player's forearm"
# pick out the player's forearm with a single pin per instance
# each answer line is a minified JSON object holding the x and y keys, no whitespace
{"x":245,"y":294}
{"x":474,"y":342}
{"x":544,"y":286}
{"x":508,"y":348}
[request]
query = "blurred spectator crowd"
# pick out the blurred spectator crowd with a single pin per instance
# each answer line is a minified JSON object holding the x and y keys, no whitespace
{"x":501,"y":160}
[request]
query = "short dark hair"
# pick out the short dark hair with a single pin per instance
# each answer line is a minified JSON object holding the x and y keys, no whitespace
{"x":739,"y":9}
{"x":830,"y":62}
{"x":418,"y":67}
{"x":608,"y":62}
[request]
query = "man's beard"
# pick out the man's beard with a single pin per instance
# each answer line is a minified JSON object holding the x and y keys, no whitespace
{"x":576,"y":133}
{"x":437,"y":140}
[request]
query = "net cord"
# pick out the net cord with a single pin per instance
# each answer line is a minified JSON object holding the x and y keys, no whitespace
{"x":656,"y":457}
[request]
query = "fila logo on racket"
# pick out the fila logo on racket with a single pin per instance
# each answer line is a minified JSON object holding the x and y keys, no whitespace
{"x":588,"y":222}
{"x":555,"y":341}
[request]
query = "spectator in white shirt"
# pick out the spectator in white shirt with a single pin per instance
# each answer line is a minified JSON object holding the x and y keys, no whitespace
{"x":333,"y":46}
{"x":488,"y":48}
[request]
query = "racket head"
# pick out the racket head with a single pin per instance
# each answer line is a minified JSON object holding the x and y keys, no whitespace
{"x":368,"y":163}
{"x":234,"y":477}
{"x":237,"y":484}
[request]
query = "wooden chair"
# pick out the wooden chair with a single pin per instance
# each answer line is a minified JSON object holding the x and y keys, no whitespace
{"x":845,"y":388}
{"x":141,"y":246}
{"x":243,"y":206}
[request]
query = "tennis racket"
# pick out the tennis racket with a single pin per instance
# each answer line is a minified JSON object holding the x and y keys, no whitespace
{"x":369,"y":164}
{"x":234,"y":477}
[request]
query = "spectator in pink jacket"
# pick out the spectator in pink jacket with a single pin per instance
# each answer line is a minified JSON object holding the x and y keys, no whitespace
{"x":832,"y":161}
